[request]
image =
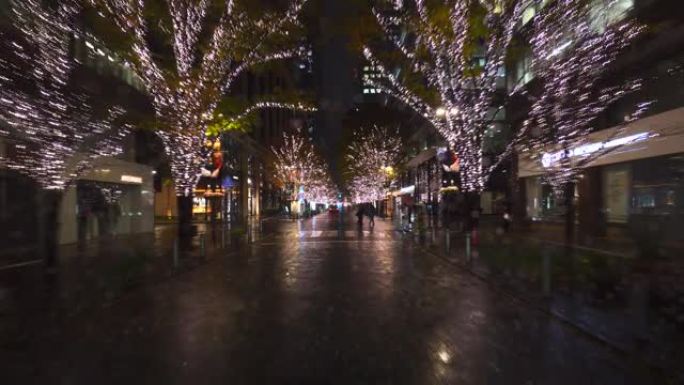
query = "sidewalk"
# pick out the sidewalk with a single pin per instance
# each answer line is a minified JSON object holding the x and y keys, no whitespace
{"x":101,"y":272}
{"x":632,"y":304}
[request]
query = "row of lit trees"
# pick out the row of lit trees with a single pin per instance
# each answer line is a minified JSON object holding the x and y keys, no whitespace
{"x":300,"y":169}
{"x":372,"y":158}
{"x":58,"y":132}
{"x":185,"y":96}
{"x":453,"y":56}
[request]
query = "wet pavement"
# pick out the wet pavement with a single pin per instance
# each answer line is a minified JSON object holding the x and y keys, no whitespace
{"x":316,"y":301}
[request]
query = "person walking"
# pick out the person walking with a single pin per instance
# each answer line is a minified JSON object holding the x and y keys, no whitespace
{"x":371,"y":215}
{"x":359,"y":215}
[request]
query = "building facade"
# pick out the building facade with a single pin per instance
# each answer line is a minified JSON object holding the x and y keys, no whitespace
{"x":637,"y":186}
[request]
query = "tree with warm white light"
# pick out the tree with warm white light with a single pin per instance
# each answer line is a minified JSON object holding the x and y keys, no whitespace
{"x":57,"y":132}
{"x":300,"y":168}
{"x":372,"y":158}
{"x":185,"y":96}
{"x":453,"y":53}
{"x":572,"y":55}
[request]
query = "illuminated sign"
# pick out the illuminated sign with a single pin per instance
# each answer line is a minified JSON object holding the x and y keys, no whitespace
{"x":550,"y":159}
{"x":131,"y":179}
{"x":405,"y":191}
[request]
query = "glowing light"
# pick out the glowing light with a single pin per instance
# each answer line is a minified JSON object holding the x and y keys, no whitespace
{"x":550,"y":159}
{"x":570,"y":59}
{"x":443,"y":60}
{"x":298,"y":165}
{"x":444,"y":356}
{"x":57,"y":130}
{"x":185,"y":100}
{"x":131,"y":179}
{"x":559,"y":50}
{"x":371,"y":158}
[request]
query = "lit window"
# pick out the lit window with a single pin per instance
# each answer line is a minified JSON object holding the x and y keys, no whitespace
{"x":528,"y":14}
{"x":605,"y":13}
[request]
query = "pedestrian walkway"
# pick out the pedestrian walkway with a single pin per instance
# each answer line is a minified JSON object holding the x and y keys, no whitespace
{"x":622,"y":300}
{"x":302,"y":310}
{"x":99,"y":272}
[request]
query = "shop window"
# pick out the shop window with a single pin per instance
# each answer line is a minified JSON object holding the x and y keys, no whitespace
{"x":531,"y":11}
{"x":533,"y":197}
{"x":658,"y":186}
{"x":522,"y":72}
{"x":528,"y":14}
{"x":605,"y":13}
{"x":616,"y":193}
{"x":543,"y":202}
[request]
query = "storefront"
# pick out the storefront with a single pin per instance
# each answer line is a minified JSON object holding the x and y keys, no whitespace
{"x":114,"y":198}
{"x":642,"y":178}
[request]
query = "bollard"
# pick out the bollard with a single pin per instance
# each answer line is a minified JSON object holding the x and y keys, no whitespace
{"x":203,"y":245}
{"x":468,"y":250}
{"x":546,"y":271}
{"x":448,"y":240}
{"x":434,"y":235}
{"x":175,"y":253}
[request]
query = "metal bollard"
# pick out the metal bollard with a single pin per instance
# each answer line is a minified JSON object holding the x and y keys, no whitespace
{"x":175,"y":253}
{"x":546,"y":273}
{"x":448,"y":240}
{"x":468,"y":248}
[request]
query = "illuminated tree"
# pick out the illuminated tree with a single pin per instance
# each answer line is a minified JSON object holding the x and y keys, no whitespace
{"x":57,"y":132}
{"x":186,"y":95}
{"x":56,"y":127}
{"x":572,"y":53}
{"x":299,"y":168}
{"x":372,"y":157}
{"x":453,"y":53}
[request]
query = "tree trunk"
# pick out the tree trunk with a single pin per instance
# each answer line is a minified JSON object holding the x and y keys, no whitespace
{"x":48,"y":227}
{"x":569,"y":197}
{"x":184,"y":216}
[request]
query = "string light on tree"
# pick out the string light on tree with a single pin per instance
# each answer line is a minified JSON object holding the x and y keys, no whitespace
{"x":298,"y":165}
{"x":57,"y":131}
{"x":440,"y":52}
{"x":571,"y":54}
{"x":186,"y":98}
{"x":299,"y":107}
{"x":372,"y":157}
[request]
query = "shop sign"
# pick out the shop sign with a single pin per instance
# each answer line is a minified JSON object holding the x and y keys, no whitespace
{"x":131,"y":179}
{"x":550,"y":159}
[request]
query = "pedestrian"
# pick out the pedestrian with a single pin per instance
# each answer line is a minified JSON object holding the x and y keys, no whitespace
{"x":371,"y":215}
{"x":359,"y":214}
{"x":507,"y":218}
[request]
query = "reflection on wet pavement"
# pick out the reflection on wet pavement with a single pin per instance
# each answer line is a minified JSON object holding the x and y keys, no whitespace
{"x":316,"y":302}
